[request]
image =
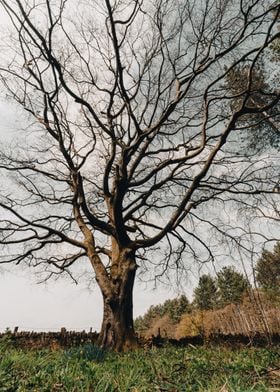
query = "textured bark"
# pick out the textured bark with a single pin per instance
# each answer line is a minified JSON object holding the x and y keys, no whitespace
{"x":117,"y":331}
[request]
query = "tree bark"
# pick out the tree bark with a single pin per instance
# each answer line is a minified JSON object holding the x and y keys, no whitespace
{"x":117,"y":331}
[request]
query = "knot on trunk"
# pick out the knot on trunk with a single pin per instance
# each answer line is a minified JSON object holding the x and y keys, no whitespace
{"x":112,"y":302}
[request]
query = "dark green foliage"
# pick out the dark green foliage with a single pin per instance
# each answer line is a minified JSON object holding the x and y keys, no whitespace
{"x":174,"y":308}
{"x":205,"y":294}
{"x":231,"y":286}
{"x":210,"y":294}
{"x":259,"y":132}
{"x":268,"y":271}
{"x":227,"y":288}
{"x":275,"y":46}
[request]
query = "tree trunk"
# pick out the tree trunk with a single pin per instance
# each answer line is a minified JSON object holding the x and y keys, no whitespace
{"x":117,"y":331}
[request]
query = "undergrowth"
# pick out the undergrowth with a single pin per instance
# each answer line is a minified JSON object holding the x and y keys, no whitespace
{"x":164,"y":369}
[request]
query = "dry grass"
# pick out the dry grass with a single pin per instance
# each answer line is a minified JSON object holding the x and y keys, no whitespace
{"x":254,"y":315}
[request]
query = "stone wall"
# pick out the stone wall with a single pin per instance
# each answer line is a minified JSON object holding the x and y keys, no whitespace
{"x":63,"y":338}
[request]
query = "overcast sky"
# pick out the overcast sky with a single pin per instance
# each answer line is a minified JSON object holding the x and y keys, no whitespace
{"x":54,"y":305}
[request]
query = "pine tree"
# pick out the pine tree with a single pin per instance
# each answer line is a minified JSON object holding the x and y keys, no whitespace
{"x":179,"y":306}
{"x":205,"y":294}
{"x":268,"y":271}
{"x":231,"y":286}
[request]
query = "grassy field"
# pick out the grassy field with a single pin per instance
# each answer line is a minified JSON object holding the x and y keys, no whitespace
{"x":163,"y":369}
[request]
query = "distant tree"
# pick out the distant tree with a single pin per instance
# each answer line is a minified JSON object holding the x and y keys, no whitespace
{"x":173,"y":308}
{"x":231,"y":286}
{"x":275,"y":46}
{"x":178,"y":307}
{"x":268,"y":271}
{"x":260,"y":130}
{"x":191,"y":324}
{"x":205,"y":294}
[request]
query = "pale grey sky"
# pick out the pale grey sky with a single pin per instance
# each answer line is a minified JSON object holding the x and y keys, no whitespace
{"x":59,"y":304}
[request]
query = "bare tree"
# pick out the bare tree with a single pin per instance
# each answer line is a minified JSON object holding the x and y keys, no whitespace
{"x":134,"y":146}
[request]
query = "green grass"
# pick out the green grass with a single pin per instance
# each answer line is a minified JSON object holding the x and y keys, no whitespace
{"x":167,"y":369}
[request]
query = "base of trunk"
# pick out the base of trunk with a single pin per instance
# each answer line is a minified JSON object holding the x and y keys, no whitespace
{"x":114,"y":338}
{"x":117,"y":332}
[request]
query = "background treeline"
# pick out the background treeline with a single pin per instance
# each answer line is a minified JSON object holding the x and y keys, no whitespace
{"x":227,"y":303}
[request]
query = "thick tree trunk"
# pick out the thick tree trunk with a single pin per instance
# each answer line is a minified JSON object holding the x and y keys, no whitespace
{"x":117,"y":331}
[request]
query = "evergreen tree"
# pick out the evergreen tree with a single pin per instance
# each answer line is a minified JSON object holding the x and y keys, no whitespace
{"x":231,"y":285}
{"x":179,"y":306}
{"x":173,"y":308}
{"x":258,"y":131}
{"x":205,"y":294}
{"x":268,"y":271}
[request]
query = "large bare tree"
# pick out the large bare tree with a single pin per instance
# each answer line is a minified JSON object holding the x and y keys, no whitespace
{"x":131,"y":154}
